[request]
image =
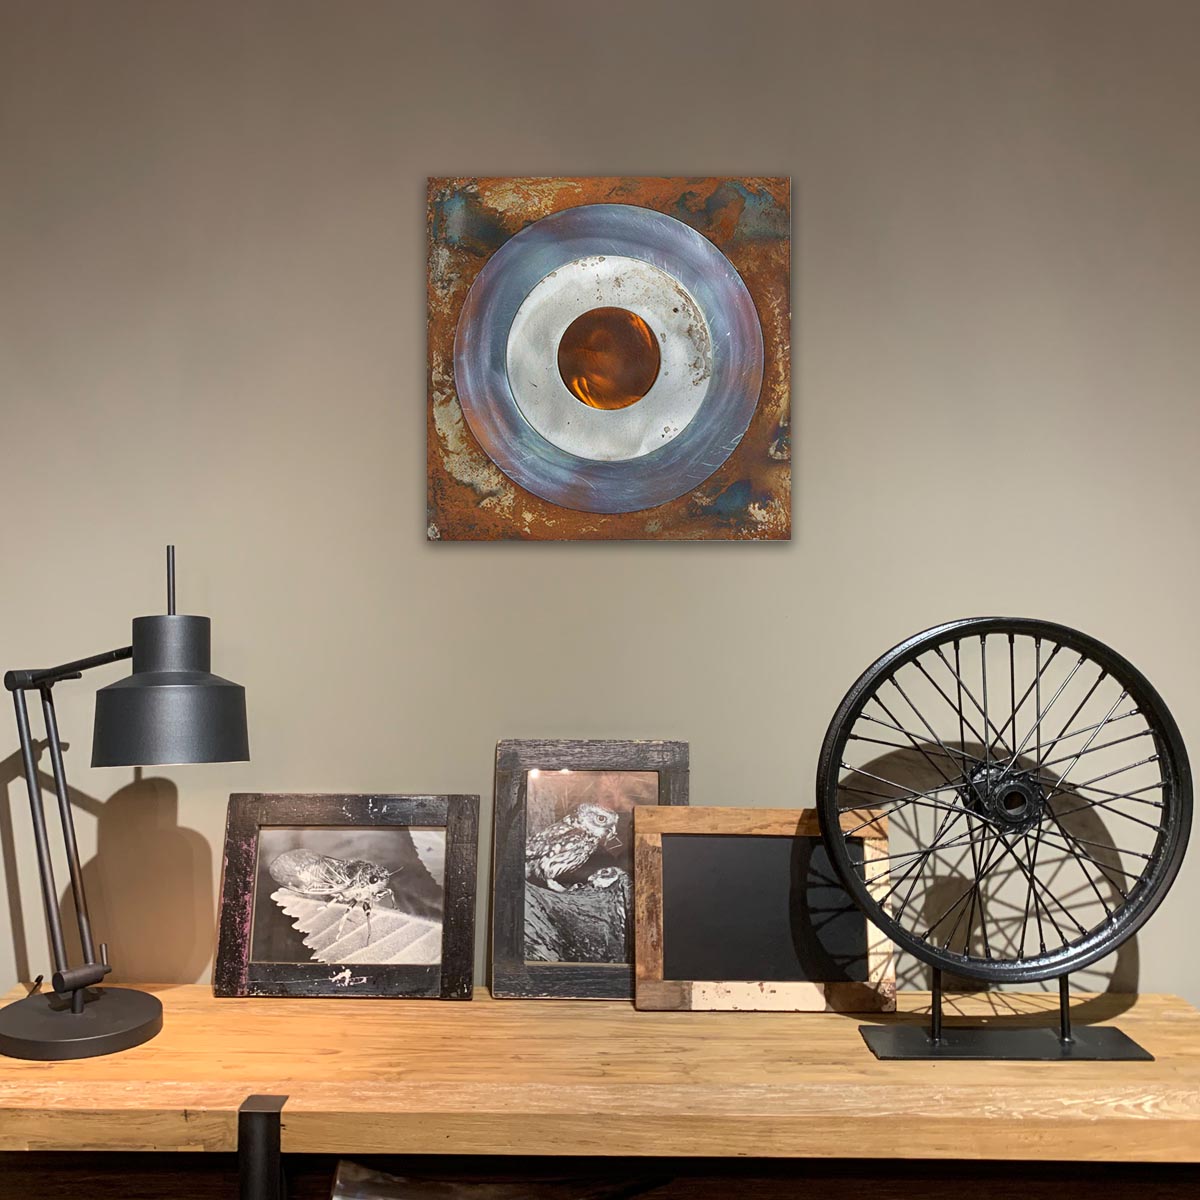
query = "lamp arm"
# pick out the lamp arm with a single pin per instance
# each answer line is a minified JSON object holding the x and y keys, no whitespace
{"x":25,"y":680}
{"x":67,"y":980}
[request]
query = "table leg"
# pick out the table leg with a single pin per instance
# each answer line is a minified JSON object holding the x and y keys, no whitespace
{"x":260,"y":1167}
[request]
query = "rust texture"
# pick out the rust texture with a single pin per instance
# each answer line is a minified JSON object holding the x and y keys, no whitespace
{"x":748,"y":497}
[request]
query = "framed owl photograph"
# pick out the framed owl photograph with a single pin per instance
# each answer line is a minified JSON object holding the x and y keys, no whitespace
{"x":562,"y":879}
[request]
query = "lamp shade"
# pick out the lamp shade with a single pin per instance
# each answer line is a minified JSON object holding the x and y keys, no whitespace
{"x":172,"y":709}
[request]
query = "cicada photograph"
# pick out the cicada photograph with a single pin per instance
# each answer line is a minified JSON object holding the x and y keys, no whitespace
{"x":356,"y":895}
{"x":579,"y":862}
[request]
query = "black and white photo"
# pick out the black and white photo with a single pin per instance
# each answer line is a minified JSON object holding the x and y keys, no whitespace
{"x":579,"y":863}
{"x":348,"y":896}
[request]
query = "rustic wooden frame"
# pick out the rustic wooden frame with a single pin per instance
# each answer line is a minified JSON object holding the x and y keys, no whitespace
{"x":511,"y":976}
{"x":236,"y":974}
{"x":877,"y":994}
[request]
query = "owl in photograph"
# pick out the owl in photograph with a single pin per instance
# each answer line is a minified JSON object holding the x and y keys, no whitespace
{"x":606,"y":877}
{"x":567,"y":844}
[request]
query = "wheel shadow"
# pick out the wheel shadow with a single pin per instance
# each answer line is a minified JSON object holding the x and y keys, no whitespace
{"x":1109,"y":986}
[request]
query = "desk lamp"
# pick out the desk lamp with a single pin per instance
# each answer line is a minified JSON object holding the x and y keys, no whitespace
{"x":171,"y":710}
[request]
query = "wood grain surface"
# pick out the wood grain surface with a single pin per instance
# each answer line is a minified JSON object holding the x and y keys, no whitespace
{"x":599,"y":1078}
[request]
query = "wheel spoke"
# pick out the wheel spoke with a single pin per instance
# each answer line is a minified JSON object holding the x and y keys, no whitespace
{"x":1045,"y":891}
{"x":1039,"y":670}
{"x":1076,"y":842}
{"x":976,"y":899}
{"x":901,"y":802}
{"x":1037,"y":684}
{"x":1107,"y":805}
{"x":1103,"y":746}
{"x":1070,"y":855}
{"x":1133,"y":712}
{"x":909,"y":793}
{"x":1082,"y":841}
{"x":925,"y":853}
{"x":1063,"y":777}
{"x":1078,"y":709}
{"x":1059,"y":790}
{"x":1135,"y":795}
{"x":907,"y":895}
{"x":1032,"y":896}
{"x":946,"y":824}
{"x":858,"y":737}
{"x":898,"y":729}
{"x":971,"y":696}
{"x":987,"y":745}
{"x":978,"y":895}
{"x":916,"y":745}
{"x":1012,"y":687}
{"x":987,"y":869}
{"x":1043,"y":713}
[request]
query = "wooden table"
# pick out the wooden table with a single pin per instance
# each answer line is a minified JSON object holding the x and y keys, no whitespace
{"x":505,"y":1077}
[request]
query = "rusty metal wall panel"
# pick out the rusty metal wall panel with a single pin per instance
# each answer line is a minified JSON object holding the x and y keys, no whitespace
{"x":748,"y":496}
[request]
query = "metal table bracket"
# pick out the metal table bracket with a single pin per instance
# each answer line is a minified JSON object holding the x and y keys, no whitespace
{"x":260,"y":1165}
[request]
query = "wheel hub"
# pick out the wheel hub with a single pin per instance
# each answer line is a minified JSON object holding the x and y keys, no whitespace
{"x":1014,"y":800}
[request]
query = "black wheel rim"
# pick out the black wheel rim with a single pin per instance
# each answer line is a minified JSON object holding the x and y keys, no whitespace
{"x":1037,"y":795}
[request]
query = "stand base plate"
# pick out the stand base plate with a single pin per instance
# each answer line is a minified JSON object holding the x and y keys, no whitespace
{"x":1089,"y":1043}
{"x":43,"y":1027}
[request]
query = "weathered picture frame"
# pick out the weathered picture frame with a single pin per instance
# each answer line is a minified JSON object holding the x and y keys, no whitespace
{"x":330,"y":898}
{"x":653,"y":990}
{"x":558,"y":888}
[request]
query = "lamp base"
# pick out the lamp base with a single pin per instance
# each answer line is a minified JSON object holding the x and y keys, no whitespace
{"x":43,"y":1027}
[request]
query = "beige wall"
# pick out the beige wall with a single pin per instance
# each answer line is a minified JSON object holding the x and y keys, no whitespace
{"x":212,"y":332}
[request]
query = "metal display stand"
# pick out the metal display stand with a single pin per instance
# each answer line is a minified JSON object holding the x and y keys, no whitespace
{"x":1014,"y":1043}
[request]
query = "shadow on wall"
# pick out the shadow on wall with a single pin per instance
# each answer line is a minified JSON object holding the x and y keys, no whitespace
{"x":149,"y":885}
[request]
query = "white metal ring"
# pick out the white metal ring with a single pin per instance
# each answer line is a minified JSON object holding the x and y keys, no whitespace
{"x":685,"y":365}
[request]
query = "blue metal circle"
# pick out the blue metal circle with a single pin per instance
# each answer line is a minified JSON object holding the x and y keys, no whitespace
{"x":481,"y":374}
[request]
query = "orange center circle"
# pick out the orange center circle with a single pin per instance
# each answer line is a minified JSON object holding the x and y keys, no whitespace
{"x":608,"y":358}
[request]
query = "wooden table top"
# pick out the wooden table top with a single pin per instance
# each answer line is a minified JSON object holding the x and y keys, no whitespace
{"x":598,"y":1078}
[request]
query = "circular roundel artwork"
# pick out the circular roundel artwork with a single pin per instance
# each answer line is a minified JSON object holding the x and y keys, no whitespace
{"x":609,"y":368}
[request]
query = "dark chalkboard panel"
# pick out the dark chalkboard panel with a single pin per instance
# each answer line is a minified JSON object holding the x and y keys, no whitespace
{"x":761,"y":908}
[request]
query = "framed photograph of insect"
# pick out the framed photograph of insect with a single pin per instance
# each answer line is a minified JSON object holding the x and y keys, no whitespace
{"x":741,"y":909}
{"x":332,"y":895}
{"x":562,"y":880}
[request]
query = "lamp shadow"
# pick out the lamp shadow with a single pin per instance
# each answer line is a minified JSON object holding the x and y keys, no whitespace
{"x":149,"y":884}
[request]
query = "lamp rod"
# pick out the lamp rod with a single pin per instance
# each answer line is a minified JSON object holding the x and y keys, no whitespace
{"x":170,"y":581}
{"x":17,"y":681}
{"x":40,"y":841}
{"x":68,"y":827}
